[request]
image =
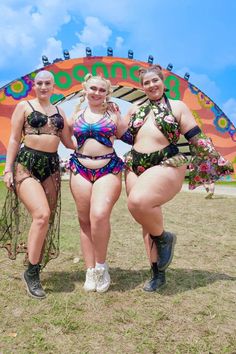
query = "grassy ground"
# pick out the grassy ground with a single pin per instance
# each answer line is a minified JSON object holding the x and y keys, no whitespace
{"x":226,"y":183}
{"x":194,"y":313}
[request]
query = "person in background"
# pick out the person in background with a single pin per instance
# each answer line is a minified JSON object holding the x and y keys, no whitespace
{"x":32,"y":176}
{"x":210,"y":189}
{"x":95,"y":176}
{"x":155,"y":169}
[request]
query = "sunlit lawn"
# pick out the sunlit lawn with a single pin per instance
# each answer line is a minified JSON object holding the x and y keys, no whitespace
{"x":194,"y":313}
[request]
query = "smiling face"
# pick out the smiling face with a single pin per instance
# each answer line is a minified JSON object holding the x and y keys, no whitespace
{"x":43,"y":85}
{"x":153,"y":85}
{"x":96,"y":91}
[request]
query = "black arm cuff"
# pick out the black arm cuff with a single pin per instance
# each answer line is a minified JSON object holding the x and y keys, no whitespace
{"x":192,"y":132}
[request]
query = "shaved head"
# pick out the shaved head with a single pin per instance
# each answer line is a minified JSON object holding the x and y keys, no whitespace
{"x":44,"y":74}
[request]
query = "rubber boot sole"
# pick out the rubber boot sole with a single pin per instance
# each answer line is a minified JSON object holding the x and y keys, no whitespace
{"x":156,"y":290}
{"x":28,"y":291}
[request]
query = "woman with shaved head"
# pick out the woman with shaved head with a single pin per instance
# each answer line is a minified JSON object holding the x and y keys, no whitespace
{"x":32,"y":175}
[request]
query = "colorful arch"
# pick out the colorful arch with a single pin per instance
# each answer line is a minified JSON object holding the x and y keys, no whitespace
{"x":123,"y":74}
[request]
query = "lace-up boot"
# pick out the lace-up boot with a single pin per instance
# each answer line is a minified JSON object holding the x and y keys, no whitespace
{"x":157,"y":281}
{"x":165,"y":248}
{"x":32,"y":282}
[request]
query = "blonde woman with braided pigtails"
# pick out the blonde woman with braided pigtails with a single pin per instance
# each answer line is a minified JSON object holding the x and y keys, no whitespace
{"x":95,"y":180}
{"x":83,"y":93}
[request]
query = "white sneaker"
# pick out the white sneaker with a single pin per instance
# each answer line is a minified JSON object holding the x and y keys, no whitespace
{"x":90,"y":282}
{"x":103,"y":279}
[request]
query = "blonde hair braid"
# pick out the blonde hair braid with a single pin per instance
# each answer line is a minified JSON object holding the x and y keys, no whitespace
{"x":88,"y":77}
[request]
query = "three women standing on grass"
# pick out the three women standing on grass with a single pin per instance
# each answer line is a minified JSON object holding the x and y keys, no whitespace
{"x":155,"y":170}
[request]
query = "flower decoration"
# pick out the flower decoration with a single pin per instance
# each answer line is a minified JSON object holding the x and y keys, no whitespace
{"x":204,"y":101}
{"x":18,"y":89}
{"x":222,"y":123}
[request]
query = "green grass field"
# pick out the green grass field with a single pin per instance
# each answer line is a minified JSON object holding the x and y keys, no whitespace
{"x":194,"y":313}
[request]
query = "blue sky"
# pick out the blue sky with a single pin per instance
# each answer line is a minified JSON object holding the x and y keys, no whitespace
{"x":195,"y":36}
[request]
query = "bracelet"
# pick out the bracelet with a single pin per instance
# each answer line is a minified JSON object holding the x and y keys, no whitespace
{"x":192,"y":132}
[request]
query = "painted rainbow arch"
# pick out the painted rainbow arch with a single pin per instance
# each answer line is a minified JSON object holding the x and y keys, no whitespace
{"x":123,"y":74}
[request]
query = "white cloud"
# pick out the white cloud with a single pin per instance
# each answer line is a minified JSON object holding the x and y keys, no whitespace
{"x":29,"y":31}
{"x":13,"y":35}
{"x":26,"y":26}
{"x":24,"y":30}
{"x":53,"y":49}
{"x":229,"y":108}
{"x":118,"y":13}
{"x":78,"y":50}
{"x":95,"y":33}
{"x":201,"y":81}
{"x":119,"y":42}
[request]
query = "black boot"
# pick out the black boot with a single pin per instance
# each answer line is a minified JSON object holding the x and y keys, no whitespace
{"x":157,"y":281}
{"x":32,"y":281}
{"x":165,"y":248}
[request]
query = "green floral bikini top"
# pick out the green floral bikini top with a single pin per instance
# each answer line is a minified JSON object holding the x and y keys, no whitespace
{"x":164,"y":120}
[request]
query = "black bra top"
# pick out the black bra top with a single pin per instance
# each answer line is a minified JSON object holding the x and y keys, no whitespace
{"x":39,"y":123}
